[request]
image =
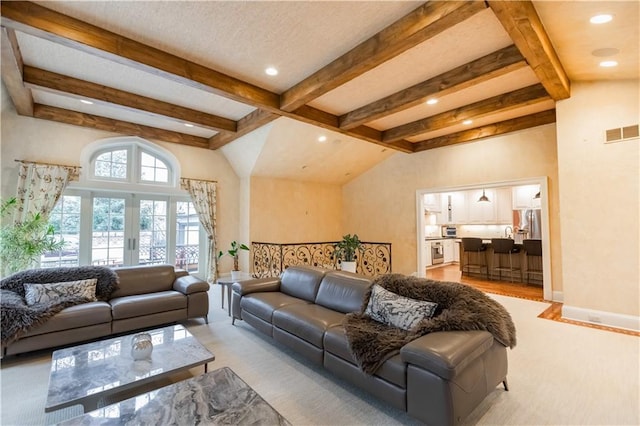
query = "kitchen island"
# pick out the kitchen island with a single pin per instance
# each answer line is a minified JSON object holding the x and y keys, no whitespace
{"x":518,"y":259}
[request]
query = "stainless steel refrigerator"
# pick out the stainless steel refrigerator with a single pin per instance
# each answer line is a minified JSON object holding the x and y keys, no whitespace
{"x":528,"y":224}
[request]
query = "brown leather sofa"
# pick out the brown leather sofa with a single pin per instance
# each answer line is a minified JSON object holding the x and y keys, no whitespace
{"x":147,"y":296}
{"x":438,"y":378}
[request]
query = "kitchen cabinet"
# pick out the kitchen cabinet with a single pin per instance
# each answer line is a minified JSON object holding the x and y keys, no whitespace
{"x":432,"y":203}
{"x":481,"y":211}
{"x":449,"y":254}
{"x":456,"y":251}
{"x":458,"y":212}
{"x":427,"y":254}
{"x":523,"y":197}
{"x":504,"y":210}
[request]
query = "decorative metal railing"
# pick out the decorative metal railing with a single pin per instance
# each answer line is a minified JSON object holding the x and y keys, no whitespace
{"x":270,"y":259}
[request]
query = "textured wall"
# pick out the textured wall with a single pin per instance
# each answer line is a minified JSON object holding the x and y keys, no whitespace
{"x":286,"y":211}
{"x":599,"y":204}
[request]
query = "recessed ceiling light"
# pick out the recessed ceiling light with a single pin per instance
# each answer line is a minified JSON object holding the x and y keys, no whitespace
{"x":601,"y":19}
{"x":432,"y":101}
{"x":609,"y":64}
{"x":322,"y":138}
{"x":271,"y":71}
{"x":188,"y":124}
{"x":467,"y":122}
{"x":84,"y":101}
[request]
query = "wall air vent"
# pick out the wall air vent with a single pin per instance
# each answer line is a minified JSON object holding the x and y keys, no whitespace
{"x":622,"y":133}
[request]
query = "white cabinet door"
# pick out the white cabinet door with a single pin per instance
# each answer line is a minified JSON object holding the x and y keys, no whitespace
{"x":448,"y":251}
{"x":458,"y":208}
{"x":432,"y":203}
{"x":523,"y":197}
{"x":482,"y":211}
{"x":504,"y":206}
{"x":456,"y":251}
{"x":427,"y":253}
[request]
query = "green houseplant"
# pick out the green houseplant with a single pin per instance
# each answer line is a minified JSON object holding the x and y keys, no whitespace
{"x":234,"y":252}
{"x":22,"y":244}
{"x":346,"y":249}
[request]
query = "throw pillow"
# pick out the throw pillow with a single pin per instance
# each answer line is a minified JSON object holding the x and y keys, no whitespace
{"x":51,"y":292}
{"x":397,"y":311}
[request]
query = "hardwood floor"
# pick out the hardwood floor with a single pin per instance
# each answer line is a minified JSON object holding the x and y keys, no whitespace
{"x":505,"y":288}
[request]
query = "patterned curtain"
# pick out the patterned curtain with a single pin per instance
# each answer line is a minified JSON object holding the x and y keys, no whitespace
{"x":203,"y":196}
{"x":40,"y":187}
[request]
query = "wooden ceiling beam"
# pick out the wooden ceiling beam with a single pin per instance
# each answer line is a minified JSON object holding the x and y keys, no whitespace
{"x":522,"y":23}
{"x":11,"y":68}
{"x":246,"y":124}
{"x":495,"y":129}
{"x":493,"y":65}
{"x":500,"y":103}
{"x":75,"y":118}
{"x":422,"y":24}
{"x":58,"y":83}
{"x":41,"y":22}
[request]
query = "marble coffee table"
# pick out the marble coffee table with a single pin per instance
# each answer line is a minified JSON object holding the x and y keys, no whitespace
{"x":217,"y":397}
{"x":88,"y":374}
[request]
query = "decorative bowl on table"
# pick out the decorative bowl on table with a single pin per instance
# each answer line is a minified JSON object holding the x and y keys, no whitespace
{"x":141,"y":346}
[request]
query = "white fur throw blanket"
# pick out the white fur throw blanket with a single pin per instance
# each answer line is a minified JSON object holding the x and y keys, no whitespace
{"x":460,"y":307}
{"x":17,"y":318}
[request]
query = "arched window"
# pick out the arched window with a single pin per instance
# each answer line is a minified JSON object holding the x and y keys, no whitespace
{"x":127,"y":209}
{"x":130,"y":160}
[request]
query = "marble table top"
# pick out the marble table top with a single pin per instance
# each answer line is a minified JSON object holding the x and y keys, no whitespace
{"x":88,"y":373}
{"x":217,"y":397}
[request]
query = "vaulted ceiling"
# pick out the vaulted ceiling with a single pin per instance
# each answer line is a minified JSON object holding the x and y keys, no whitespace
{"x":350,"y":70}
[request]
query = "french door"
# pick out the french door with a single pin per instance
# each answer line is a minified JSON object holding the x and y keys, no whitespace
{"x":128,"y":229}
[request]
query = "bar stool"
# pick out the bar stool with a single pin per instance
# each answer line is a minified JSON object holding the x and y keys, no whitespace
{"x":474,"y":245}
{"x":501,"y":247}
{"x":533,"y":249}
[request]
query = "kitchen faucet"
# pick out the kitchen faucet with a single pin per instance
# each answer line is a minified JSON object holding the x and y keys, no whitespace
{"x":505,"y":231}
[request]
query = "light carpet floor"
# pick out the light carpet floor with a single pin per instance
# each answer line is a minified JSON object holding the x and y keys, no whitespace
{"x":559,"y":374}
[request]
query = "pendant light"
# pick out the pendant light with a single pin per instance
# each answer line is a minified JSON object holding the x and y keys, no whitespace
{"x":483,"y":198}
{"x":537,"y":196}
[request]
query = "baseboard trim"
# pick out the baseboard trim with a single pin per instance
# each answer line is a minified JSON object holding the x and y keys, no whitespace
{"x":558,"y":296}
{"x":603,"y":318}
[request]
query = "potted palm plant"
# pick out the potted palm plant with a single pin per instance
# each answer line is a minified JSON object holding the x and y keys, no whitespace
{"x":345,"y":251}
{"x":234,"y":252}
{"x":22,"y":244}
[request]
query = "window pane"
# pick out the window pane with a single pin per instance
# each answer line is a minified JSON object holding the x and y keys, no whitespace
{"x":187,"y":237}
{"x":153,"y":232}
{"x":112,"y":164}
{"x":152,"y":169}
{"x":107,"y":237}
{"x":65,"y":219}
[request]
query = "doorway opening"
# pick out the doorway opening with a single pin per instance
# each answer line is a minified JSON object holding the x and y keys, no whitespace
{"x":440,"y":209}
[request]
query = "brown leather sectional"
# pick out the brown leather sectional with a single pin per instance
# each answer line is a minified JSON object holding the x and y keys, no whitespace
{"x":146,"y":296}
{"x":438,"y":378}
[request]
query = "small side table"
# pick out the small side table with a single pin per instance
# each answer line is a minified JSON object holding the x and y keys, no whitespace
{"x":225,"y":281}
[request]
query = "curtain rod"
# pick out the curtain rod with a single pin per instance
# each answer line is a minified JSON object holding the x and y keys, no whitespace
{"x":43,"y":164}
{"x":201,"y":180}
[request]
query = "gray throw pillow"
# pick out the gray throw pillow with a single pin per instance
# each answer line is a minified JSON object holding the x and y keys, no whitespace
{"x":397,"y":311}
{"x":52,"y":292}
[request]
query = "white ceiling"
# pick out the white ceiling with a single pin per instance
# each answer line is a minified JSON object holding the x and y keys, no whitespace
{"x":242,"y":38}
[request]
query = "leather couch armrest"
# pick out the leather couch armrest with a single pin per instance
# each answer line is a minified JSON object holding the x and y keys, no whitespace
{"x":446,"y":353}
{"x":256,"y":285}
{"x":188,"y":284}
